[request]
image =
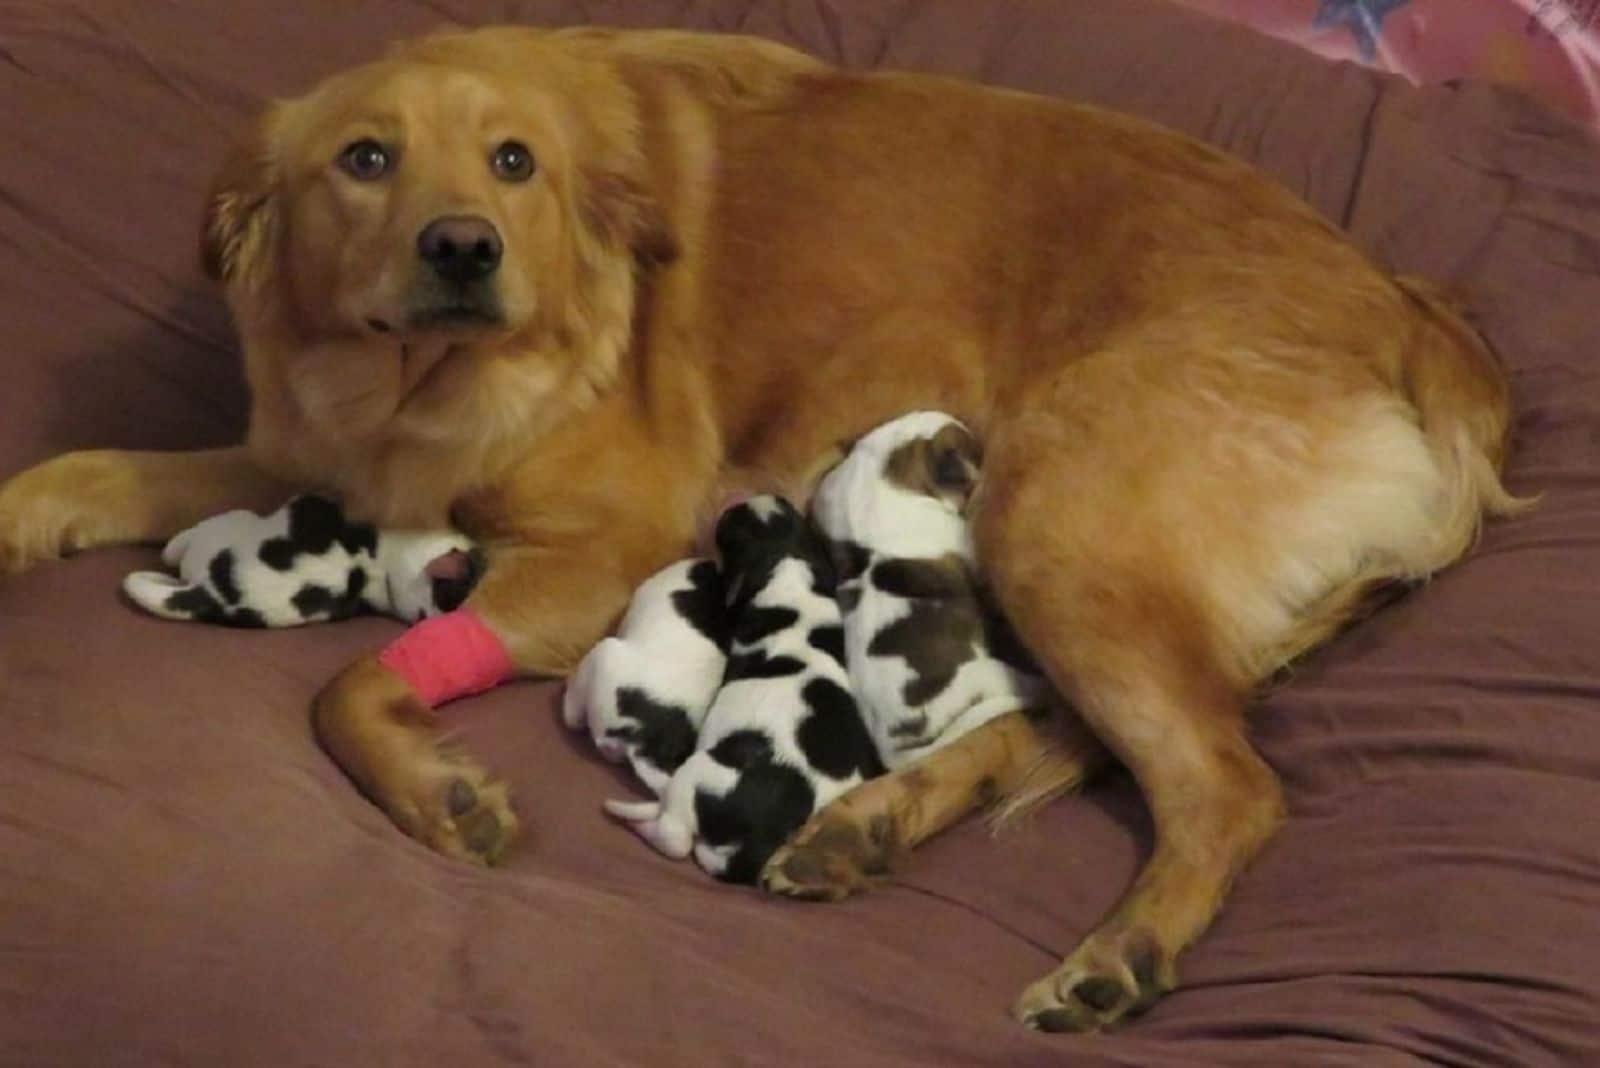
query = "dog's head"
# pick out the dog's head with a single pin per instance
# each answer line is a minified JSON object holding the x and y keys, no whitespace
{"x":903,"y":488}
{"x":470,"y":194}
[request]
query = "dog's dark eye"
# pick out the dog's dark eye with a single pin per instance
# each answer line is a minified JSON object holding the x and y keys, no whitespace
{"x":512,"y":162}
{"x":365,"y":160}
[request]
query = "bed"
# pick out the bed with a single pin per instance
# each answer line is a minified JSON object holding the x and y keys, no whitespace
{"x":185,"y":879}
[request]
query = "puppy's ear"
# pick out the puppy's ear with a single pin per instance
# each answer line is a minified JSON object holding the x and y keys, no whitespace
{"x":954,"y":458}
{"x":622,"y":211}
{"x":236,"y":236}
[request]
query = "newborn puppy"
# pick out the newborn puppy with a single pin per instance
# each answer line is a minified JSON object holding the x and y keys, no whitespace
{"x":305,"y":563}
{"x":644,"y":693}
{"x":927,"y":658}
{"x":783,"y":736}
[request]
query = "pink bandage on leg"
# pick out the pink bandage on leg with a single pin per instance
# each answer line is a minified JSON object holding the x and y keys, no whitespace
{"x":448,"y":656}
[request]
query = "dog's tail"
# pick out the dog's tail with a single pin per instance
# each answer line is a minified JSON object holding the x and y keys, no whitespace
{"x":657,"y":824}
{"x":1461,"y":394}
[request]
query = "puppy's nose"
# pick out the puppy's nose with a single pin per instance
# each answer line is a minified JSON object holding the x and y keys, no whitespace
{"x":460,"y":248}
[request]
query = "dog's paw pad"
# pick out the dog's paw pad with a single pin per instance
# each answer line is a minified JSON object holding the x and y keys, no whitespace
{"x":470,"y":816}
{"x":829,"y":859}
{"x":462,"y":798}
{"x":1109,"y":978}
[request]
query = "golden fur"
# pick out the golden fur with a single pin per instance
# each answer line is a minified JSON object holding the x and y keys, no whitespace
{"x":1210,"y":425}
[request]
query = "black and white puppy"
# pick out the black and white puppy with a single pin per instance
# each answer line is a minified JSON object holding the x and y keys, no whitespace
{"x":783,"y":736}
{"x":928,"y":659}
{"x":644,"y":692}
{"x":305,"y":563}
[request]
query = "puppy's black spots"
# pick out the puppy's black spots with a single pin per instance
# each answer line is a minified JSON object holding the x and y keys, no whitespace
{"x":754,"y":537}
{"x":315,"y":525}
{"x":833,"y":737}
{"x":758,"y":665}
{"x":359,"y":538}
{"x":768,"y":804}
{"x":223,"y":578}
{"x":278,"y":554}
{"x":355,"y":586}
{"x":756,"y":625}
{"x":1101,"y":993}
{"x":248,"y":618}
{"x":850,"y":559}
{"x":662,"y":733}
{"x":945,"y":577}
{"x":701,"y":604}
{"x":849,"y":597}
{"x":936,"y":637}
{"x":824,"y":580}
{"x":196,"y":602}
{"x":312,"y":600}
{"x":751,"y":538}
{"x":828,"y":640}
{"x":742,"y":750}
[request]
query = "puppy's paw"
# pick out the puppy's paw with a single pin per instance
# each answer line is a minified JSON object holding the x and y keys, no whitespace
{"x":833,"y":856}
{"x":1111,"y":976}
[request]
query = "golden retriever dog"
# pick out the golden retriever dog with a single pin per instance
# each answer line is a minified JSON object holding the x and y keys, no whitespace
{"x":569,"y":289}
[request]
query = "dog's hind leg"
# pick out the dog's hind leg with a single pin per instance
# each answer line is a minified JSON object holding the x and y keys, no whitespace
{"x":1162,"y":526}
{"x":854,"y":841}
{"x":1136,"y":659}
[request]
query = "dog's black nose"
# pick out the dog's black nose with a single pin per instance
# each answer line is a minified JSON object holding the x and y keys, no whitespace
{"x":460,"y":248}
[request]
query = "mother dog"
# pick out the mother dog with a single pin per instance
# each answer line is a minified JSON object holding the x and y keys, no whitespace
{"x":568,"y":289}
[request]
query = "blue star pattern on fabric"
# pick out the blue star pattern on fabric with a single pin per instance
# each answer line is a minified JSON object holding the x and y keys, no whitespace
{"x":1363,"y":17}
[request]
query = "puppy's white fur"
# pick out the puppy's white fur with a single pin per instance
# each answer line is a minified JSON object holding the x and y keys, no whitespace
{"x":658,"y":651}
{"x":857,"y":503}
{"x":773,"y":708}
{"x":397,"y":582}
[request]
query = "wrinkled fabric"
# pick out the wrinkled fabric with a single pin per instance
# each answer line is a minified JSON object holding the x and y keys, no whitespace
{"x":186,"y":879}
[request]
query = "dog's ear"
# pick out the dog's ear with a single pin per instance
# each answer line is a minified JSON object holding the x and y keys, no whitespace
{"x":954,"y":458}
{"x":624,"y":213}
{"x":236,"y":235}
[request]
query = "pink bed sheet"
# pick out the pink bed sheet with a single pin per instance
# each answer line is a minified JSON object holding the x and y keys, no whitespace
{"x":1549,"y":48}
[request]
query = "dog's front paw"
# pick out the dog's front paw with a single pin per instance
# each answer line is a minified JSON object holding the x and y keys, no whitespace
{"x":72,"y":502}
{"x":468,"y":815}
{"x":382,"y":735}
{"x":834,"y":855}
{"x":1114,"y":974}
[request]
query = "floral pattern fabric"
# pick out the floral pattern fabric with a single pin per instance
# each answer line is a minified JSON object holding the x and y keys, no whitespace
{"x":1549,"y":48}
